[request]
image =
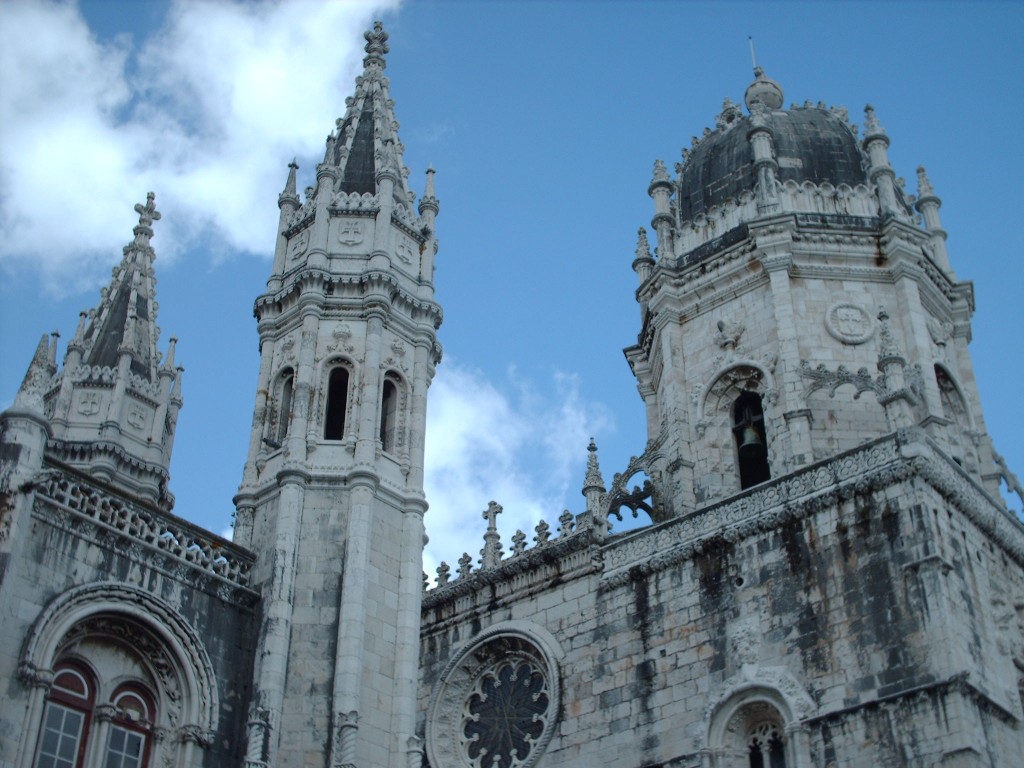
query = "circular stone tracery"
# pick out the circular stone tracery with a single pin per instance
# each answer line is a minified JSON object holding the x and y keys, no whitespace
{"x":495,"y":705}
{"x":505,"y":714}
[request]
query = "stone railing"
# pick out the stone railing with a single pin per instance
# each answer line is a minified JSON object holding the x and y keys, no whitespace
{"x":186,"y":543}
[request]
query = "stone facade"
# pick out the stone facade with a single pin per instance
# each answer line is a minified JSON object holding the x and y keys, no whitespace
{"x":828,"y":575}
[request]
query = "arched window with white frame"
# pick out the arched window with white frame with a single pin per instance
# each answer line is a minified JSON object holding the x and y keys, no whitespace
{"x":67,"y":718}
{"x":110,"y":667}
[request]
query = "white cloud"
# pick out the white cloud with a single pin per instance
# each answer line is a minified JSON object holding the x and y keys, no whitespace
{"x":207,"y":113}
{"x":526,"y":450}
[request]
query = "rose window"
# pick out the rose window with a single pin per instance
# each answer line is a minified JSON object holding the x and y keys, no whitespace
{"x":505,"y":715}
{"x":496,"y":704}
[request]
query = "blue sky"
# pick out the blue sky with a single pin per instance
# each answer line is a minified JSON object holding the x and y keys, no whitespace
{"x":543,"y":121}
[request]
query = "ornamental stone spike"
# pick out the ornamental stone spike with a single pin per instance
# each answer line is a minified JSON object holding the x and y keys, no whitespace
{"x":876,"y":144}
{"x":593,"y":484}
{"x":660,"y":191}
{"x":928,"y":204}
{"x":897,"y":399}
{"x":37,"y":378}
{"x":643,"y":264}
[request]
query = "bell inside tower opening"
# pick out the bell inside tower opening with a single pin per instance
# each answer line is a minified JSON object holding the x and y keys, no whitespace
{"x":751,"y":446}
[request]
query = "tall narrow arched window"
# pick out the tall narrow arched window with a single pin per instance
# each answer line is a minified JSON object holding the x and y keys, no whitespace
{"x":66,"y":719}
{"x":389,"y":414}
{"x":751,"y":442}
{"x":337,"y":404}
{"x":284,"y":416}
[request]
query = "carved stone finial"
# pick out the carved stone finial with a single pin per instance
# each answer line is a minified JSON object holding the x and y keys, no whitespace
{"x":148,"y":213}
{"x":566,"y":522}
{"x":490,"y":555}
{"x":376,"y":46}
{"x":871,"y":122}
{"x":543,"y":531}
{"x":443,"y":573}
{"x":924,"y":186}
{"x":643,"y":247}
{"x":763,"y":90}
{"x":660,"y":173}
{"x":465,"y":565}
{"x":518,"y":543}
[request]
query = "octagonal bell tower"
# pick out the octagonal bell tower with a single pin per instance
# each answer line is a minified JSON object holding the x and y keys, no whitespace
{"x":796,"y":306}
{"x":332,"y":498}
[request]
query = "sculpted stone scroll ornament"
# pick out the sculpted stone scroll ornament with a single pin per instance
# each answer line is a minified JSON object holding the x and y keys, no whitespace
{"x":729,"y":332}
{"x":849,"y":323}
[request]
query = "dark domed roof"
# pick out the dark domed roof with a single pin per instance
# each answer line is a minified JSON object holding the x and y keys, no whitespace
{"x":811,"y":144}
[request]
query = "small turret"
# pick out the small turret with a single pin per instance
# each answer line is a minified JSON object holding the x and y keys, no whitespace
{"x":876,"y":144}
{"x":928,"y":204}
{"x":111,"y":407}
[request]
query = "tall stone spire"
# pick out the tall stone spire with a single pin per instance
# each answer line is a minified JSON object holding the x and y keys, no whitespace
{"x":348,"y":347}
{"x":114,"y":406}
{"x":366,"y":144}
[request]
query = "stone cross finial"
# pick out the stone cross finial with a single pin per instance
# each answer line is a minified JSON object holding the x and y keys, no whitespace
{"x":518,"y":543}
{"x":443,"y":573}
{"x":465,"y":565}
{"x":376,"y":45}
{"x":566,"y":522}
{"x":148,"y":212}
{"x":543,"y":531}
{"x":490,"y":555}
{"x":147,"y":215}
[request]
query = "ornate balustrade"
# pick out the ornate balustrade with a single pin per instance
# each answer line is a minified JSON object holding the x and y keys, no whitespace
{"x":186,"y":543}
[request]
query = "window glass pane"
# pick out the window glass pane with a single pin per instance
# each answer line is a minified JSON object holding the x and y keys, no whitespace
{"x":124,"y":749}
{"x":61,"y":737}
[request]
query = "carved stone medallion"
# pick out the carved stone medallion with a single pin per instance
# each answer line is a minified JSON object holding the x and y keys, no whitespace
{"x":849,"y":323}
{"x":298,"y":244}
{"x":352,"y":232}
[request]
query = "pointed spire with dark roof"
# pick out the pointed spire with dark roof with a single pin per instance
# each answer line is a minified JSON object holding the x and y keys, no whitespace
{"x":125,"y":319}
{"x":365,"y":145}
{"x":113,"y":395}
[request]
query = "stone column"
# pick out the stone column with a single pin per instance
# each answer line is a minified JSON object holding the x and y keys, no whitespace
{"x":407,"y":644}
{"x":796,"y":414}
{"x":352,"y":609}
